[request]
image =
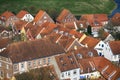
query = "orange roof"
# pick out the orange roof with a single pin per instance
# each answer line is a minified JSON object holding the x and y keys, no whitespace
{"x":66,"y":42}
{"x":76,"y":34}
{"x":90,"y":42}
{"x":54,"y":36}
{"x":20,"y":24}
{"x":106,"y":68}
{"x":6,"y":15}
{"x":29,"y":50}
{"x":84,"y":52}
{"x":48,"y":28}
{"x":62,"y":15}
{"x":94,"y":19}
{"x":87,"y":65}
{"x":115,"y":47}
{"x":5,"y":42}
{"x":116,"y":19}
{"x":39,"y":15}
{"x":69,"y":25}
{"x":66,"y":62}
{"x":22,"y":13}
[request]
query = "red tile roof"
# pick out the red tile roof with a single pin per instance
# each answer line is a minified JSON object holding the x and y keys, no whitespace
{"x":90,"y":42}
{"x":106,"y":68}
{"x":20,"y":24}
{"x":76,"y":34}
{"x":22,"y":13}
{"x":87,"y":65}
{"x":84,"y":52}
{"x":48,"y":28}
{"x":54,"y":36}
{"x":63,"y":16}
{"x":116,"y":19}
{"x":6,"y":15}
{"x":66,"y":62}
{"x":2,"y":28}
{"x":115,"y":47}
{"x":94,"y":19}
{"x":5,"y":42}
{"x":66,"y":42}
{"x":29,"y":50}
{"x":39,"y":15}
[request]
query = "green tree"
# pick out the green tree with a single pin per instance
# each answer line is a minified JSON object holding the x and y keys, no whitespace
{"x":101,"y":33}
{"x":89,"y":30}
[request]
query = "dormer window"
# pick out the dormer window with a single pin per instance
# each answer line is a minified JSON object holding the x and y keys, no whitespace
{"x":79,"y":55}
{"x":70,"y":57}
{"x":45,"y":17}
{"x":61,"y":59}
{"x":90,"y":54}
{"x":61,"y":32}
{"x":81,"y":25}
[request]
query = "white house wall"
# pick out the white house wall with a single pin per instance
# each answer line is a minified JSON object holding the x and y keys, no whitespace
{"x":72,"y":76}
{"x":28,"y":18}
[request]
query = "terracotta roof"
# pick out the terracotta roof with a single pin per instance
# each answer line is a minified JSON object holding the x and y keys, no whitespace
{"x":94,"y":19}
{"x":84,"y":23}
{"x":54,"y":36}
{"x":66,"y":62}
{"x":48,"y":28}
{"x":29,"y":50}
{"x":76,"y":34}
{"x":84,"y":53}
{"x":66,"y":42}
{"x":69,"y":25}
{"x":106,"y":68}
{"x":61,"y":27}
{"x":115,"y":47}
{"x":63,"y":15}
{"x":4,"y":42}
{"x":104,"y":35}
{"x":39,"y":15}
{"x":2,"y":28}
{"x":116,"y":19}
{"x":20,"y":24}
{"x":22,"y":13}
{"x":6,"y":15}
{"x":87,"y":65}
{"x":35,"y":30}
{"x":90,"y":42}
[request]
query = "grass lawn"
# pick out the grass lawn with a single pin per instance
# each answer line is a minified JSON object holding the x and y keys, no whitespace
{"x":77,"y":7}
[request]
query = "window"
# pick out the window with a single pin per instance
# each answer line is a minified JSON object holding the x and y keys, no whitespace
{"x":102,"y":45}
{"x":62,"y":74}
{"x":100,"y":54}
{"x":68,"y":73}
{"x":45,"y":17}
{"x":34,"y":63}
{"x":29,"y":64}
{"x":48,"y":60}
{"x":1,"y":74}
{"x":81,"y":25}
{"x":90,"y":54}
{"x":44,"y":61}
{"x":39,"y":62}
{"x":8,"y":76}
{"x":74,"y":72}
{"x":7,"y":66}
{"x":0,"y":64}
{"x":15,"y":67}
{"x":79,"y":55}
{"x":22,"y":65}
